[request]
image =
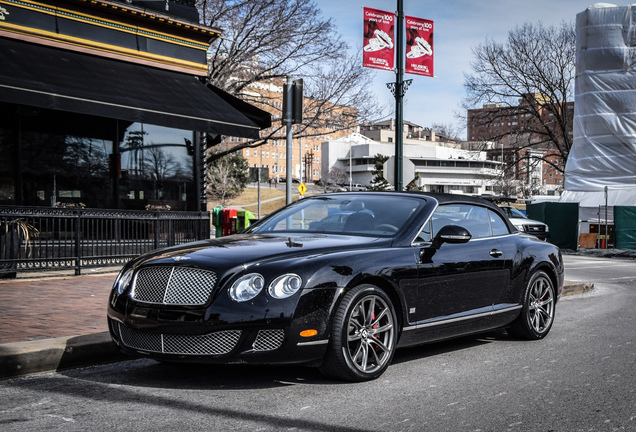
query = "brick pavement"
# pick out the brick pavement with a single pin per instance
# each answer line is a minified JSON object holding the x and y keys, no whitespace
{"x":50,"y":307}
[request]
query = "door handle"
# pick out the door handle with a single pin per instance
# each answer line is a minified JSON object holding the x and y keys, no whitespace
{"x":496,"y":253}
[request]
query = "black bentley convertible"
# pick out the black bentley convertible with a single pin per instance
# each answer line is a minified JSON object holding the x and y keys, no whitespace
{"x":339,"y":281}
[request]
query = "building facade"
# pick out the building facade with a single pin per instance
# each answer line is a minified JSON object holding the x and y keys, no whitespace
{"x":435,"y":168}
{"x":385,"y":132}
{"x":105,"y":104}
{"x":306,"y":154}
{"x":507,"y":134}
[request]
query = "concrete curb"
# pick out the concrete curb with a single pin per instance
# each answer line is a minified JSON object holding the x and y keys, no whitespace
{"x":54,"y":354}
{"x":50,"y":355}
{"x":572,"y":288}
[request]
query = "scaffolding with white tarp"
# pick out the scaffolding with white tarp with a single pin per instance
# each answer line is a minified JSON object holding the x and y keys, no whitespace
{"x":601,"y":167}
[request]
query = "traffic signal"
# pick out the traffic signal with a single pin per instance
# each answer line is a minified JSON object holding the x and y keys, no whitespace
{"x":297,"y":101}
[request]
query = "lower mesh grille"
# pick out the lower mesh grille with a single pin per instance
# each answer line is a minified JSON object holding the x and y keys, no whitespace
{"x":267,"y":340}
{"x":216,"y":343}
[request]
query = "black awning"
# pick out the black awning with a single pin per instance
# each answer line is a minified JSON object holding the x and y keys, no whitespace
{"x":64,"y":80}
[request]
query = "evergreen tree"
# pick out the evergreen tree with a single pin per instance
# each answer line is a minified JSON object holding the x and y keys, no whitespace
{"x":379,"y":183}
{"x":227,"y":177}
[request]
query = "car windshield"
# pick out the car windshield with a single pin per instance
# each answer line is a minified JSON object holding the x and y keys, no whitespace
{"x":514,"y":213}
{"x":364,"y":214}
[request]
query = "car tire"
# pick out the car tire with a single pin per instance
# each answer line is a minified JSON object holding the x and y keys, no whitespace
{"x":537,"y":314}
{"x":363,"y":337}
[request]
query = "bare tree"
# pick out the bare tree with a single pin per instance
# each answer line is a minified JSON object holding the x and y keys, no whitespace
{"x":160,"y":165}
{"x":447,"y":130}
{"x":529,"y":79}
{"x":265,"y":41}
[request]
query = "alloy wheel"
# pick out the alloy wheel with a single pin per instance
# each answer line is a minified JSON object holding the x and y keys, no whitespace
{"x":370,"y":335}
{"x":541,"y":305}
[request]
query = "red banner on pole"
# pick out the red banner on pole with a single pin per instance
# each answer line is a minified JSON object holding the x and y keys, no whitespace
{"x":378,"y":46}
{"x":419,"y":46}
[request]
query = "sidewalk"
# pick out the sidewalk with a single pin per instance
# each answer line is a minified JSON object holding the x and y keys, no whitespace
{"x":52,"y":321}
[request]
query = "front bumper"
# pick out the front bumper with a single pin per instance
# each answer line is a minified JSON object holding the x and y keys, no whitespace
{"x":227,"y":332}
{"x":537,"y":231}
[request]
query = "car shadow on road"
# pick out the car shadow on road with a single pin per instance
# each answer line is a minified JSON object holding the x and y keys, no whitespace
{"x":438,"y":348}
{"x":153,"y":374}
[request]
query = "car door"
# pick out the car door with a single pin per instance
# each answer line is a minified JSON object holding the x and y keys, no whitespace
{"x":508,"y":246}
{"x":459,"y":281}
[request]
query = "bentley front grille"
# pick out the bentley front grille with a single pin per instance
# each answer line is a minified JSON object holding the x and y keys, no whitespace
{"x":180,"y":286}
{"x":268,"y":340}
{"x":217,"y":343}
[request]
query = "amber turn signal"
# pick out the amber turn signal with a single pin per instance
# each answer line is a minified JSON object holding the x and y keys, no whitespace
{"x":308,"y":333}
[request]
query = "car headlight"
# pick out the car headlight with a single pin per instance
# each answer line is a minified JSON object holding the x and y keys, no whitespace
{"x":285,"y":286}
{"x":247,"y":287}
{"x":123,"y":280}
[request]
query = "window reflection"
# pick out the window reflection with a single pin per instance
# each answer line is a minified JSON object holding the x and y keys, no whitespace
{"x":156,"y":167}
{"x":70,"y":160}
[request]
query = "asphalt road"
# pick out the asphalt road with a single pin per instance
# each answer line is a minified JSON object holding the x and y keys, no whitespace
{"x":582,"y":377}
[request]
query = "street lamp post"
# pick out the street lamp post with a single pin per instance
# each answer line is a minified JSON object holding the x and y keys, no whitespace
{"x":399,"y":96}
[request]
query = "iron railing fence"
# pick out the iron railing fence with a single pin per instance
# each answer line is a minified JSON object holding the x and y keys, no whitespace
{"x":42,"y":238}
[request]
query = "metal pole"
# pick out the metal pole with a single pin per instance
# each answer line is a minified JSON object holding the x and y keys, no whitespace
{"x":290,"y":136}
{"x":258,"y":170}
{"x":350,"y":167}
{"x":399,"y":95}
{"x":606,"y":229}
{"x":300,"y":159}
{"x":504,"y":191}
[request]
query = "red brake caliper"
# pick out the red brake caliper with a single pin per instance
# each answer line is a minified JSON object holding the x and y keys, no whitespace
{"x":375,"y":326}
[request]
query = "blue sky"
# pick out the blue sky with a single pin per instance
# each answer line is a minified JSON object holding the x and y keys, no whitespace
{"x":459,"y":26}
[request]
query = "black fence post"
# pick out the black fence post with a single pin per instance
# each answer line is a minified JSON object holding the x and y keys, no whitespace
{"x":170,"y":240}
{"x":156,"y":229}
{"x":78,"y":245}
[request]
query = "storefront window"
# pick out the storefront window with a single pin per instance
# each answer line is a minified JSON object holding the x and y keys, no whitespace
{"x":156,"y":168}
{"x":54,"y":158}
{"x":64,"y":170}
{"x":61,"y":159}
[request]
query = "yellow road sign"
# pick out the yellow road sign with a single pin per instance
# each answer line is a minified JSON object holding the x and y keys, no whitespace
{"x":302,"y":188}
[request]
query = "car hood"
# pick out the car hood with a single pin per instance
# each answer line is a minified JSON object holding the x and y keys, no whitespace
{"x":525,"y":221}
{"x":249,"y":248}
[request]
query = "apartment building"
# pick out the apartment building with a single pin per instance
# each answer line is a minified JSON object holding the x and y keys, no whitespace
{"x":509,"y":129}
{"x":331,"y":122}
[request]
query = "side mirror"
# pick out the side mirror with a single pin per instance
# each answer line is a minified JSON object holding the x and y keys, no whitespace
{"x":453,"y":234}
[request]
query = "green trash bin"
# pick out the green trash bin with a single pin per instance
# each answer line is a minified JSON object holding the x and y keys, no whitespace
{"x":217,"y":221}
{"x":243,"y":218}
